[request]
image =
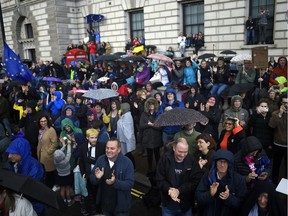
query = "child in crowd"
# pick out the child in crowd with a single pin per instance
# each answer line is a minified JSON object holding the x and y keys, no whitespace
{"x":64,"y":176}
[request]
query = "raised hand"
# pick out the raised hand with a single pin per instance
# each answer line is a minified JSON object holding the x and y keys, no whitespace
{"x":213,"y":188}
{"x":99,"y":173}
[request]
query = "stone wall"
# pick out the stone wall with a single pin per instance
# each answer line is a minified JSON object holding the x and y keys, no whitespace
{"x":58,"y":23}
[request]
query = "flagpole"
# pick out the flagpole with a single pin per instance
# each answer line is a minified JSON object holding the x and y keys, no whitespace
{"x":2,"y":25}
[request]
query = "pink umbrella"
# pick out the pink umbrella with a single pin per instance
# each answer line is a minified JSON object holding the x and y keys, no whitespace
{"x":78,"y":91}
{"x":160,"y":57}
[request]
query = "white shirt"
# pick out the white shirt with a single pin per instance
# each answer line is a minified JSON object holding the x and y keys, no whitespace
{"x":93,"y":153}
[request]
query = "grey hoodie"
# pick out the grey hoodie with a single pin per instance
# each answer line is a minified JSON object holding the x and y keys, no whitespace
{"x":61,"y":161}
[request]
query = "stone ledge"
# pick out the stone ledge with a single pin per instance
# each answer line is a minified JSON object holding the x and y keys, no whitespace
{"x":244,"y":47}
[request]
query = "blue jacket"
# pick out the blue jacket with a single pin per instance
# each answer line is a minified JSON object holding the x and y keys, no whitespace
{"x":190,"y":74}
{"x":28,"y":165}
{"x":176,"y":103}
{"x":124,"y":173}
{"x":55,"y":107}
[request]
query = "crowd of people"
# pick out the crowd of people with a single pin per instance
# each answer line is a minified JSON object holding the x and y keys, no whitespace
{"x":84,"y":148}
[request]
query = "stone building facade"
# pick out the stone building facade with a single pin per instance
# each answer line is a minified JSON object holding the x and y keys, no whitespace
{"x":42,"y":29}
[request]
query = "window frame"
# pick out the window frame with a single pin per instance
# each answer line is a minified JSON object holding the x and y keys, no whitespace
{"x":199,"y":24}
{"x":270,"y":28}
{"x":29,"y":31}
{"x":141,"y":22}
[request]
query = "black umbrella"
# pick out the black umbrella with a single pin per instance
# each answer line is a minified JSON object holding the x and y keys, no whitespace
{"x":227,"y":52}
{"x":29,"y":187}
{"x":150,"y":47}
{"x":211,"y":63}
{"x":108,"y":57}
{"x":240,"y":88}
{"x":118,"y":54}
{"x":228,"y":59}
{"x":133,"y":58}
{"x":179,"y":116}
{"x":206,"y":55}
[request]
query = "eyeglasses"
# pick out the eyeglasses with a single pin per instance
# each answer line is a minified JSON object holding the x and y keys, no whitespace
{"x":43,"y":121}
{"x":228,"y":123}
{"x":221,"y":161}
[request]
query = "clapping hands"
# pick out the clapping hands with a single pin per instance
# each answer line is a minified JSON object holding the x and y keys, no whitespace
{"x":174,"y":193}
{"x":99,"y":173}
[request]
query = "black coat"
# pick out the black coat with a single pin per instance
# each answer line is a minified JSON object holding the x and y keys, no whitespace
{"x":188,"y":180}
{"x":233,"y":140}
{"x":261,"y":129}
{"x":214,"y":205}
{"x":250,"y":144}
{"x":81,"y":113}
{"x":84,"y":162}
{"x":151,"y":136}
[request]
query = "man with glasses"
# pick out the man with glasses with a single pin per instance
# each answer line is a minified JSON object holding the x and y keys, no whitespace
{"x":221,"y":190}
{"x":278,"y":122}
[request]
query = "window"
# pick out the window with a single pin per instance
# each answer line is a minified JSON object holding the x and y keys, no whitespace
{"x":255,"y":6}
{"x":29,"y":31}
{"x":137,"y":24}
{"x":193,"y":14}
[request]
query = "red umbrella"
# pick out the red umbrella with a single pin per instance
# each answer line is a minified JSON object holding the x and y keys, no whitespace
{"x":160,"y":57}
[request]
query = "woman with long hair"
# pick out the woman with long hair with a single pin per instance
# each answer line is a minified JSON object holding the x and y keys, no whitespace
{"x":11,"y":204}
{"x":47,"y":144}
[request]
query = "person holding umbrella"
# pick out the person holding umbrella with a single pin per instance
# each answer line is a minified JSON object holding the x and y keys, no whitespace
{"x":21,"y":161}
{"x":169,"y":102}
{"x":13,"y":204}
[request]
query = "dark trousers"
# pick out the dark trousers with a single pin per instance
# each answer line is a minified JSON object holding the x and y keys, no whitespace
{"x":262,"y":33}
{"x":131,"y":157}
{"x":278,"y":154}
{"x":90,"y":201}
{"x":150,"y":152}
{"x":50,"y":178}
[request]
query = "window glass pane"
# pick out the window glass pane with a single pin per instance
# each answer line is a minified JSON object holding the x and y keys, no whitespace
{"x":194,"y":19}
{"x":137,"y":24}
{"x":255,"y":6}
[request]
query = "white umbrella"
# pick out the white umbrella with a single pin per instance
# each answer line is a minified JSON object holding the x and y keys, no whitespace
{"x":100,"y":94}
{"x":240,"y":58}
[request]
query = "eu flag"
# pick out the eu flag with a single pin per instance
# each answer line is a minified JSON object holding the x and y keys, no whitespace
{"x":14,"y":67}
{"x":94,"y":18}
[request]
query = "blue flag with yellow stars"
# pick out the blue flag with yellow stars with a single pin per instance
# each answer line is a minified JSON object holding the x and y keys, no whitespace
{"x":14,"y":68}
